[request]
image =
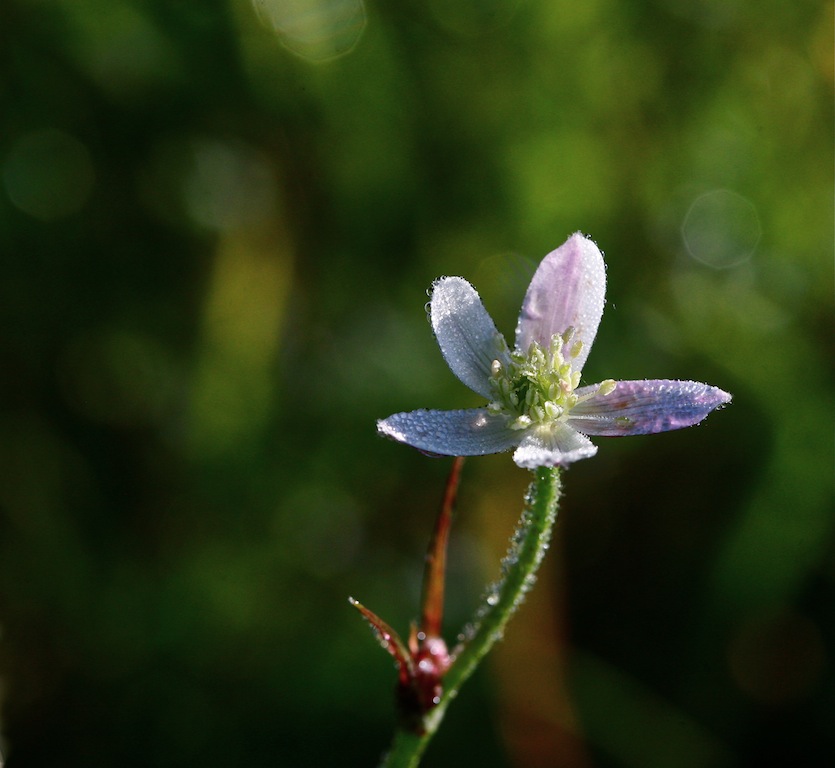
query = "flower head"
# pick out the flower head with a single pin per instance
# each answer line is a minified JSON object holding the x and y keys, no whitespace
{"x":535,"y":402}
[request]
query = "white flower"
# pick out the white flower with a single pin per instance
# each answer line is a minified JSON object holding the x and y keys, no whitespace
{"x":535,"y":403}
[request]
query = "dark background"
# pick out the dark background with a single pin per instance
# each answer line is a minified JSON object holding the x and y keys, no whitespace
{"x":215,"y":242}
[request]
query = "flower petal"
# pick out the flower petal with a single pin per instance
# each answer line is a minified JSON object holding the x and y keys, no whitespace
{"x":567,"y":290}
{"x":644,"y":407}
{"x":471,"y":432}
{"x":552,"y":445}
{"x":466,"y":334}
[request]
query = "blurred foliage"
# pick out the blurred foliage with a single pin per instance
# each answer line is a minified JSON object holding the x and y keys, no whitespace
{"x":217,"y":224}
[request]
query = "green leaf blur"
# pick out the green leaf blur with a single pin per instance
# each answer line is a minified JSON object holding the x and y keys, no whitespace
{"x":217,"y":226}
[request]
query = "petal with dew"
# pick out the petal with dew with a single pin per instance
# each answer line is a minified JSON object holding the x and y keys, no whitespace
{"x":471,"y":432}
{"x":556,"y":444}
{"x":466,"y":333}
{"x":568,"y":290}
{"x":645,"y":407}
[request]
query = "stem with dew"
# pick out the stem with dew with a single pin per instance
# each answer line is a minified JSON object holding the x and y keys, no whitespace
{"x":519,"y":568}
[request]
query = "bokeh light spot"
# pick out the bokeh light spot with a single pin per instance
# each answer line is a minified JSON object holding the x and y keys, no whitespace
{"x":721,"y":229}
{"x":229,"y":185}
{"x":48,"y":174}
{"x":315,"y":30}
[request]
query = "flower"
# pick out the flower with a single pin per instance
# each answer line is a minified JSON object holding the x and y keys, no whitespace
{"x":535,"y":403}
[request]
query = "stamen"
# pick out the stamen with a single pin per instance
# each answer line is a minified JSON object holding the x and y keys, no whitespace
{"x":607,"y":387}
{"x":536,"y":387}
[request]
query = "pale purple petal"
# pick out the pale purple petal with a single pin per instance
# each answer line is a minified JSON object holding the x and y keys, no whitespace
{"x":472,"y":432}
{"x":555,"y":444}
{"x":567,"y":290}
{"x":466,"y":334}
{"x":644,"y":407}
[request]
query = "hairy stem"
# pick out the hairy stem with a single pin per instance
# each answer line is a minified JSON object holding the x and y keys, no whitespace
{"x":519,"y":567}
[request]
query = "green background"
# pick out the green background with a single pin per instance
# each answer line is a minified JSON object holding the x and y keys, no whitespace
{"x":215,"y":247}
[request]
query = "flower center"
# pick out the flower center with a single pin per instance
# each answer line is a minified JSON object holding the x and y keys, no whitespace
{"x":537,"y":386}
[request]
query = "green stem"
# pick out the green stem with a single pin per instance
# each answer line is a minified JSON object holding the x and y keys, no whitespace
{"x":527,"y":548}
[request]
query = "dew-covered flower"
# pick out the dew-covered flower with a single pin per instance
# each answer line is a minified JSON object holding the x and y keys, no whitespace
{"x":534,"y":401}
